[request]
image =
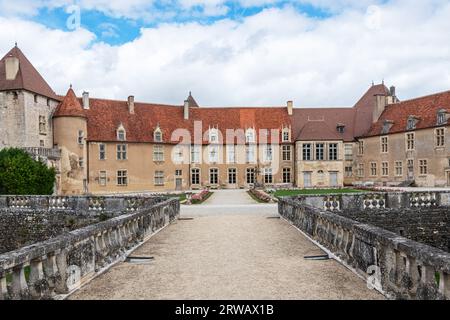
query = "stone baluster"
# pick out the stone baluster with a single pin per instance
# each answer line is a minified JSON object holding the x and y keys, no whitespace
{"x":61,"y":280}
{"x":50,"y":272}
{"x":19,"y":286}
{"x":3,"y":287}
{"x":444,"y":284}
{"x":37,"y":285}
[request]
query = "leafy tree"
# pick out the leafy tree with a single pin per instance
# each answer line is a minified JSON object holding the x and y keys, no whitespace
{"x":20,"y":174}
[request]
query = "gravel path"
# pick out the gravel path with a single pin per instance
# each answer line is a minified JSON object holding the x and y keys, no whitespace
{"x":227,"y":256}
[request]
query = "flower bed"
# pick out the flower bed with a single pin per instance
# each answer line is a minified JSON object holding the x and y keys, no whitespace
{"x":260,"y":195}
{"x":201,"y":197}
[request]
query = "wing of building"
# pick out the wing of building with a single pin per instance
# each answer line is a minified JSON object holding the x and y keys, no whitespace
{"x":127,"y":146}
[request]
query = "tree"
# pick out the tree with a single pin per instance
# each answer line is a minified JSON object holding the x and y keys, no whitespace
{"x":20,"y":174}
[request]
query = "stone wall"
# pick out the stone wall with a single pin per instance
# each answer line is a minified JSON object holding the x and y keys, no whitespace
{"x":25,"y":220}
{"x":396,"y":266}
{"x":62,"y":264}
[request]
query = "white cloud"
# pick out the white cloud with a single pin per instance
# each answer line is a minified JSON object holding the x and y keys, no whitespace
{"x":266,"y":59}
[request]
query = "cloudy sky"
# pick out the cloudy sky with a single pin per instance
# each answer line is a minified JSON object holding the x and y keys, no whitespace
{"x":238,"y":52}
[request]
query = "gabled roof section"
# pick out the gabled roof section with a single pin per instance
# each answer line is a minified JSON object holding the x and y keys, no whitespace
{"x":70,"y":106}
{"x":27,"y":78}
{"x":318,"y":130}
{"x":192,"y":102}
{"x":426,"y":110}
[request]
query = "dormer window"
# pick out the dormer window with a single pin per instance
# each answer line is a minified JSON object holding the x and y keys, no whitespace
{"x":411,"y":125}
{"x":250,"y":136}
{"x":286,"y":135}
{"x":387,"y":125}
{"x":213,"y":136}
{"x":157,"y":135}
{"x":121,"y":134}
{"x":340,"y":128}
{"x":442,"y":117}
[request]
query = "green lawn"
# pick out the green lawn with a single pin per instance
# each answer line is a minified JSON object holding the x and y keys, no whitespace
{"x":290,"y":193}
{"x":181,"y":196}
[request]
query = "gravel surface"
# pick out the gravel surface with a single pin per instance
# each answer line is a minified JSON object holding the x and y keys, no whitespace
{"x":232,"y":255}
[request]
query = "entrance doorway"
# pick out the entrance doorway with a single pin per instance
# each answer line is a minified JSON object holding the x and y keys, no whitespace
{"x":307,"y":183}
{"x":333,"y":179}
{"x":178,"y":184}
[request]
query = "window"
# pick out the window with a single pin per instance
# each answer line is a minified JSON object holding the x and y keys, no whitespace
{"x":411,"y":165}
{"x":348,"y":152}
{"x":442,"y":117}
{"x":287,"y":175}
{"x":213,"y":154}
{"x":81,"y":162}
{"x":214,"y":176}
{"x":195,"y":154}
{"x":250,"y":154}
{"x":158,"y":153}
{"x":286,"y":153}
{"x":361,"y":148}
{"x":411,"y":125}
{"x":231,"y":154}
{"x":121,"y":135}
{"x":158,"y":136}
{"x":373,"y":169}
{"x":250,"y":175}
{"x":333,"y":152}
{"x":250,"y":136}
{"x":102,"y":151}
{"x":42,"y":125}
{"x":410,"y":142}
{"x":307,"y":152}
{"x":35,"y":98}
{"x":399,"y":168}
{"x":286,"y":135}
{"x":232,"y":176}
{"x":195,"y":176}
{"x":341,"y":128}
{"x":348,"y":172}
{"x":320,"y":151}
{"x":122,"y":178}
{"x":423,"y":167}
{"x":159,"y":178}
{"x":268,"y":176}
{"x":80,"y":137}
{"x":384,"y":144}
{"x":178,"y":173}
{"x":178,"y":155}
{"x":213,"y":136}
{"x":102,"y":178}
{"x":440,"y":137}
{"x":360,"y":170}
{"x":268,"y":153}
{"x":48,"y":102}
{"x":121,"y":152}
{"x":385,"y":169}
{"x":41,"y":143}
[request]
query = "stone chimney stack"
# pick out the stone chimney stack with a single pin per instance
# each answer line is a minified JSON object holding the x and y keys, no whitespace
{"x":186,"y":110}
{"x":381,"y":101}
{"x":11,"y":67}
{"x":86,"y":100}
{"x":131,"y":104}
{"x":290,"y":107}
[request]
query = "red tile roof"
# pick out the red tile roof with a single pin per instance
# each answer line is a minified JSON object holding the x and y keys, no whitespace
{"x":105,"y":116}
{"x":425,"y":108}
{"x":28,"y":78}
{"x":70,"y":106}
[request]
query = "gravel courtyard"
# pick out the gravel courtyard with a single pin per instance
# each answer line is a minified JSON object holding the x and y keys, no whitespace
{"x":232,"y":249}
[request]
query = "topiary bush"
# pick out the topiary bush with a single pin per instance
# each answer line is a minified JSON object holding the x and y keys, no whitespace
{"x":20,"y":174}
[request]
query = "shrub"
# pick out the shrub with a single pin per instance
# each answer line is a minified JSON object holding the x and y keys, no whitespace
{"x":22,"y":175}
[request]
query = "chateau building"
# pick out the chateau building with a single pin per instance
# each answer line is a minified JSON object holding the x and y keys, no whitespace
{"x":104,"y":146}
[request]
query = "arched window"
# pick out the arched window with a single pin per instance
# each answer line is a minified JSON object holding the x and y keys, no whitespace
{"x":213,"y":135}
{"x":121,"y":133}
{"x":286,"y":135}
{"x":442,"y":117}
{"x":157,"y":135}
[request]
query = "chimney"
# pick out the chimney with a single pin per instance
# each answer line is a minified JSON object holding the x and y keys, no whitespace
{"x":392,"y":91}
{"x":290,"y":107}
{"x":86,"y":100}
{"x":381,"y":101}
{"x":11,"y":67}
{"x":131,"y":104}
{"x":186,"y":110}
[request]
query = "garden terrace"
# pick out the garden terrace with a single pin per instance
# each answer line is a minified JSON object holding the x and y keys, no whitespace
{"x":348,"y":225}
{"x":63,"y":263}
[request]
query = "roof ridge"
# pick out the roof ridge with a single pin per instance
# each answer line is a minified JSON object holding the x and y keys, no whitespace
{"x":419,"y":98}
